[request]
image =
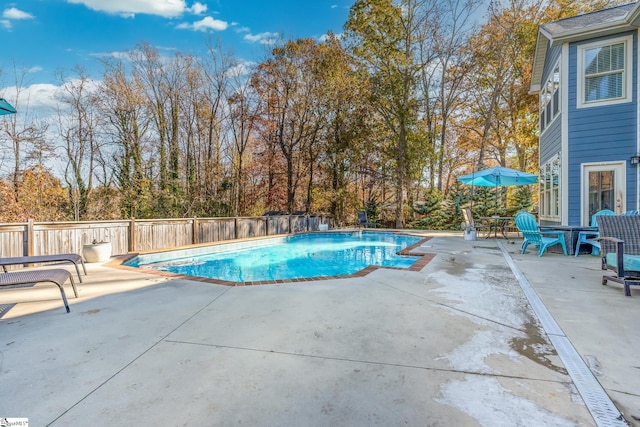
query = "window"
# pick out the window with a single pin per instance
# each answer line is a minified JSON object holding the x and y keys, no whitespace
{"x":605,"y":72}
{"x":550,"y":99}
{"x":601,"y":190}
{"x":550,"y":189}
{"x":603,"y":187}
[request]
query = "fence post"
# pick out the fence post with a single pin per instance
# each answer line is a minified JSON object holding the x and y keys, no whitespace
{"x":132,"y":235}
{"x":235,"y":227}
{"x":195,"y":230}
{"x":266,"y":225}
{"x":28,"y":250}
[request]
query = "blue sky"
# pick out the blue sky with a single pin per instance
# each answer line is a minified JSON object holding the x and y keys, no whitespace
{"x":44,"y":35}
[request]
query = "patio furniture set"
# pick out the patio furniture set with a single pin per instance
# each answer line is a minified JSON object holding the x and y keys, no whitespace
{"x":616,"y":238}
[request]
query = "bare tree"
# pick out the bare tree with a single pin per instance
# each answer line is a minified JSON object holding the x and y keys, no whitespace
{"x":24,"y":135}
{"x":126,"y":123}
{"x":444,"y":38}
{"x":213,"y":126}
{"x":78,"y":123}
{"x":287,"y":84}
{"x":244,"y":105}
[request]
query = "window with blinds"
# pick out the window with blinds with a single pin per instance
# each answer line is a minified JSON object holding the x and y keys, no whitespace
{"x":605,"y":69}
{"x":604,"y":72}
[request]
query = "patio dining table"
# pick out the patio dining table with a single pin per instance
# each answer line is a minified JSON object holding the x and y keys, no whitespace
{"x":498,"y":223}
{"x":571,"y":233}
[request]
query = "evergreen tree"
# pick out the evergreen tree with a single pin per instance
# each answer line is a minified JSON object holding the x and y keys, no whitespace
{"x":373,"y":210}
{"x":522,"y":199}
{"x":458,"y":197}
{"x":433,"y":211}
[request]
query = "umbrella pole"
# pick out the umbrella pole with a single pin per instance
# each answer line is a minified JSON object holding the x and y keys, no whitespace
{"x":495,"y":210}
{"x":472,"y":187}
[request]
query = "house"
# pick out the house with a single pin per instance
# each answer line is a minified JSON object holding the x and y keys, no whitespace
{"x":585,"y":71}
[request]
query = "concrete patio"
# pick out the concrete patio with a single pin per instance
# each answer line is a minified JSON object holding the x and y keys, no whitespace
{"x":457,"y":343}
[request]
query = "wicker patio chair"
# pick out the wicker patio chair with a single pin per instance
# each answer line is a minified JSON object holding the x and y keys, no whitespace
{"x":620,"y":249}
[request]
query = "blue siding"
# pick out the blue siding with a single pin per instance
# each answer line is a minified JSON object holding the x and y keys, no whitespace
{"x":551,"y":138}
{"x":550,"y":61}
{"x":599,"y":134}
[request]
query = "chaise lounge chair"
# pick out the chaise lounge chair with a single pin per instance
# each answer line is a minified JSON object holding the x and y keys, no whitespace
{"x":363,"y":221}
{"x":58,"y":276}
{"x":37,"y":259}
{"x":620,"y":249}
{"x":473,"y":224}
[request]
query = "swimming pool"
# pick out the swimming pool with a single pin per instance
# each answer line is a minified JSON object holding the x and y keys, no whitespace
{"x":281,"y":258}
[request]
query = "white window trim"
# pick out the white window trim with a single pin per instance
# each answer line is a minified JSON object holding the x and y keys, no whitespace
{"x":627,"y":80}
{"x":555,"y":113}
{"x":543,"y":208}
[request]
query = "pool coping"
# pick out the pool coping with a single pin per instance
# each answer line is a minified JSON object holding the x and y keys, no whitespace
{"x":419,"y":264}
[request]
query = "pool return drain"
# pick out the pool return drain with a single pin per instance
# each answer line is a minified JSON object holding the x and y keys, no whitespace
{"x":602,"y":409}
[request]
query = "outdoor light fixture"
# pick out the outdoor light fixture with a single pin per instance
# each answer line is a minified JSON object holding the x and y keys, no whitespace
{"x":635,"y":159}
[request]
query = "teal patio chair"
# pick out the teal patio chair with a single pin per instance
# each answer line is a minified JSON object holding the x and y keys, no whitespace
{"x":528,"y":226}
{"x":588,"y":237}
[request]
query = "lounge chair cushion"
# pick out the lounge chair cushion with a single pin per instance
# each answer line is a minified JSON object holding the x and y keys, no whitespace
{"x":631,"y":262}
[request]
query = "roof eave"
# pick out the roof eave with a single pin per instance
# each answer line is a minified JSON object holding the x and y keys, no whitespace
{"x":593,"y":32}
{"x":538,"y":61}
{"x":546,"y":39}
{"x":633,"y":17}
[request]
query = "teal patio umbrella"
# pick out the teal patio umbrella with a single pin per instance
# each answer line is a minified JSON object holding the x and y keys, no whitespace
{"x":498,"y":177}
{"x":5,"y":107}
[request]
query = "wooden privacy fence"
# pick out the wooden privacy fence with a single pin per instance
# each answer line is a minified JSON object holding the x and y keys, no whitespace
{"x":136,"y":235}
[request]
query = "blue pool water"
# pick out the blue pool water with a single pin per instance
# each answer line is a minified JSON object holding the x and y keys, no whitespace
{"x":292,"y":257}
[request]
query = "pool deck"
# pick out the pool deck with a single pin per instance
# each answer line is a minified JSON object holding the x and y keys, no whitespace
{"x":456,"y":342}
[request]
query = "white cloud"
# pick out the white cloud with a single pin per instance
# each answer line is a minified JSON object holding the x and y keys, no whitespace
{"x":198,"y":8}
{"x":262,"y":38}
{"x":41,"y":102}
{"x":13,"y":13}
{"x":241,"y":69}
{"x":207,"y":23}
{"x":126,"y":56}
{"x":333,"y":6}
{"x":5,"y":23}
{"x":42,"y":99}
{"x":128,"y":8}
{"x":323,"y":38}
{"x":166,"y":54}
{"x":35,"y":69}
{"x":38,"y":98}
